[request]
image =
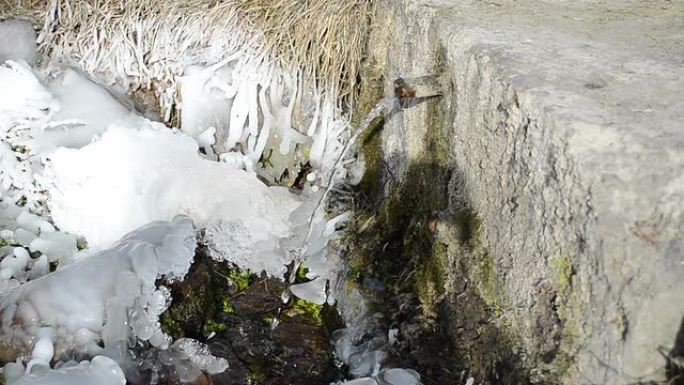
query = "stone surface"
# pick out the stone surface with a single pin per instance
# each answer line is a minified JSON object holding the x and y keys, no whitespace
{"x":563,"y":123}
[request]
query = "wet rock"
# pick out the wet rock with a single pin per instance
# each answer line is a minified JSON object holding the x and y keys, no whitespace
{"x":8,"y":352}
{"x":275,"y":343}
{"x":243,"y":319}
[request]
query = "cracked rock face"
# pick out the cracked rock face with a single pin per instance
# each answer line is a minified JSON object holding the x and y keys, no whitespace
{"x":561,"y":134}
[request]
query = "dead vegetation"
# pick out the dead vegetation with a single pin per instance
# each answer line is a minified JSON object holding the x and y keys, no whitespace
{"x":140,"y":42}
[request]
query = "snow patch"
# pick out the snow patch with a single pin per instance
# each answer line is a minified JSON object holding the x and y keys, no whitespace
{"x":135,"y":176}
{"x":17,"y":41}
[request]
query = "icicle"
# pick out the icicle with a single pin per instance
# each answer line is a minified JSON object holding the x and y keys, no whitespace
{"x":265,"y":128}
{"x":253,"y":97}
{"x":238,"y":114}
{"x":314,"y":120}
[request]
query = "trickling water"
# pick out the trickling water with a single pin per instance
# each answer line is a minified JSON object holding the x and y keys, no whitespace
{"x":384,"y":107}
{"x":364,"y":346}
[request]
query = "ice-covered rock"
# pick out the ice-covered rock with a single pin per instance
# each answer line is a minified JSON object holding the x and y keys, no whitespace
{"x":29,"y":233}
{"x":100,"y":370}
{"x":198,"y":353}
{"x":397,"y":376}
{"x":139,"y":175}
{"x":360,"y":381}
{"x":36,"y":117}
{"x":110,"y":296}
{"x":363,"y":348}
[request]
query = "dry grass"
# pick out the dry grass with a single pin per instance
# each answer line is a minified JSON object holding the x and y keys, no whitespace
{"x":141,"y":43}
{"x":323,"y":36}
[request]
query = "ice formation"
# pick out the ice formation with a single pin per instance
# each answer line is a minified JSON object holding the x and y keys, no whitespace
{"x":363,"y":349}
{"x":121,"y":299}
{"x":140,"y":175}
{"x":32,"y":243}
{"x":100,"y":370}
{"x":54,"y":316}
{"x":251,"y":109}
{"x":388,"y":377}
{"x":72,"y":111}
{"x":37,"y":117}
{"x":84,"y":110}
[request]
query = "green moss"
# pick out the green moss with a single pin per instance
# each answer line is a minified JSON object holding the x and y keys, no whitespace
{"x":489,"y":286}
{"x":256,"y":375}
{"x":440,"y":252}
{"x":570,"y":307}
{"x":430,"y":279}
{"x":81,"y":245}
{"x":309,"y":310}
{"x":214,"y":327}
{"x":430,"y":286}
{"x":171,"y":327}
{"x":488,"y":280}
{"x":374,"y":157}
{"x":564,"y":273}
{"x":195,"y":301}
{"x":302,"y":272}
{"x":228,"y":306}
{"x":241,"y":279}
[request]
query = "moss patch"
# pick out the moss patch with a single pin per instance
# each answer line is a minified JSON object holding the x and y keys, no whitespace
{"x":395,"y":238}
{"x":241,"y":279}
{"x":371,"y":91}
{"x":430,"y":280}
{"x":564,"y":273}
{"x":197,"y":301}
{"x":393,"y":241}
{"x":488,"y":284}
{"x":308,"y":310}
{"x":264,"y":340}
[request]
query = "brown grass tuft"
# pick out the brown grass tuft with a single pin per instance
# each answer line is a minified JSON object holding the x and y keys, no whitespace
{"x":137,"y":42}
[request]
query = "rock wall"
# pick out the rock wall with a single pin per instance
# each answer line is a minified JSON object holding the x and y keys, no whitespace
{"x":560,"y":125}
